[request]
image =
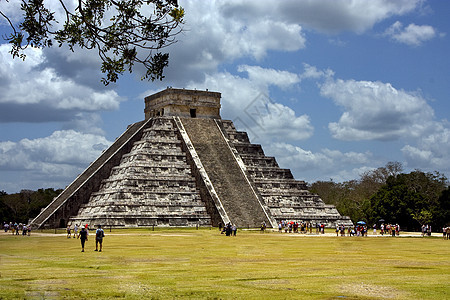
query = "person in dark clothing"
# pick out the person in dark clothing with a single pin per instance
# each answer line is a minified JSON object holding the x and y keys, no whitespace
{"x":99,"y":234}
{"x":83,"y":236}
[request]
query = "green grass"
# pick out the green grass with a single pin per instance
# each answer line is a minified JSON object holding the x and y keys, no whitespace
{"x":202,"y":264}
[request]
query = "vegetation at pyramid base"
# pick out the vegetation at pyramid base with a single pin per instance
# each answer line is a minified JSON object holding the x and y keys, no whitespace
{"x":23,"y":206}
{"x":410,"y":200}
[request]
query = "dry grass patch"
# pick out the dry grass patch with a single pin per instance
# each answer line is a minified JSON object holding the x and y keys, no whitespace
{"x":202,"y":264}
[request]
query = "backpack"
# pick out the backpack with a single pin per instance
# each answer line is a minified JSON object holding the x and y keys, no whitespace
{"x":99,"y":233}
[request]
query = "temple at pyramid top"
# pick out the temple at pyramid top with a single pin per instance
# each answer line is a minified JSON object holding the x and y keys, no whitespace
{"x":183,"y":103}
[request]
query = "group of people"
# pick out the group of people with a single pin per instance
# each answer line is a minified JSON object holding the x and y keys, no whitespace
{"x":446,"y":232}
{"x":426,"y":230}
{"x":17,"y":229}
{"x":229,"y":229}
{"x":295,"y":227}
{"x":83,"y":235}
{"x":390,"y":229}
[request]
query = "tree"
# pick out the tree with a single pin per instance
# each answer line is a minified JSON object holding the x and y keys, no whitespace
{"x":27,"y":204}
{"x":412,"y":200}
{"x":352,"y":198}
{"x":120,"y":30}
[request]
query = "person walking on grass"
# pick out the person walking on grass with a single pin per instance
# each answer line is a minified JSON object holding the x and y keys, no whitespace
{"x":99,"y":234}
{"x":83,"y":236}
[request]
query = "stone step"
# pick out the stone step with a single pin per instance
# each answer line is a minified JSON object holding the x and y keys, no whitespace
{"x":253,"y":149}
{"x":152,"y":182}
{"x":259,"y":161}
{"x":269,"y":173}
{"x":235,"y":193}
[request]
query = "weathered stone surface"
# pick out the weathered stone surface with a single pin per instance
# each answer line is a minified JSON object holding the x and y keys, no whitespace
{"x":152,"y":185}
{"x":287,"y":198}
{"x":183,"y":103}
{"x":184,"y":166}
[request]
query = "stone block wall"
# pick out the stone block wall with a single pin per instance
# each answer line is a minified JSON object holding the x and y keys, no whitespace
{"x":287,"y":198}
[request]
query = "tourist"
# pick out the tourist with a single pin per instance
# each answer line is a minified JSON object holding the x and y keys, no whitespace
{"x":69,"y":234}
{"x":234,"y":229}
{"x":99,"y":234}
{"x":228,"y":231}
{"x":24,"y":229}
{"x":87,"y":228}
{"x":29,"y":229}
{"x":75,"y":230}
{"x":83,"y":236}
{"x":447,"y":230}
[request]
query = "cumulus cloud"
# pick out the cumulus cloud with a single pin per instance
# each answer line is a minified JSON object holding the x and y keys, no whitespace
{"x":32,"y":93}
{"x":376,"y":111}
{"x":49,"y":160}
{"x":265,"y":77}
{"x":430,"y":152}
{"x":246,"y":101}
{"x":229,"y":30}
{"x":323,"y":165}
{"x":311,"y":72}
{"x":328,"y":16}
{"x":215,"y":33}
{"x":411,"y":35}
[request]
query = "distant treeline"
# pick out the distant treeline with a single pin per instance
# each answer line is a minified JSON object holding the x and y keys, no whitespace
{"x":409,"y":200}
{"x":23,"y":206}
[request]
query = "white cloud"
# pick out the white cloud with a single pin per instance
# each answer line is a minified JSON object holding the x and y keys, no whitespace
{"x":49,"y":161}
{"x":323,"y":165}
{"x":61,"y":147}
{"x":32,"y":93}
{"x":247,"y":102}
{"x":230,"y":30}
{"x":376,"y":111}
{"x":265,"y":77}
{"x":431,"y":150}
{"x":328,"y":16}
{"x":215,"y":33}
{"x":412,"y":35}
{"x":311,"y":72}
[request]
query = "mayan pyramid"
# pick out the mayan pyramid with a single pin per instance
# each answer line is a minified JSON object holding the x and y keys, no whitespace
{"x":185,"y":166}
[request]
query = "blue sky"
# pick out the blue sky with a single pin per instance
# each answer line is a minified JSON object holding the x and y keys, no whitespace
{"x":332,"y":89}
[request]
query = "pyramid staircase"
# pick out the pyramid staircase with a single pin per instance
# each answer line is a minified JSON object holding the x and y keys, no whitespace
{"x":152,"y":185}
{"x":286,"y":198}
{"x":238,"y":198}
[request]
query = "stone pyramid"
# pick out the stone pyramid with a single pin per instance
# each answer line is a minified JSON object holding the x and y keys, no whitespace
{"x":185,"y":166}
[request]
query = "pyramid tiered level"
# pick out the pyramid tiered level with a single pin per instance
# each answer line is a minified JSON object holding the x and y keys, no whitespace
{"x":185,"y":166}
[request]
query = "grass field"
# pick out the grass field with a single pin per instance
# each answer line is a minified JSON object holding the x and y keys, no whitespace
{"x":202,"y":264}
